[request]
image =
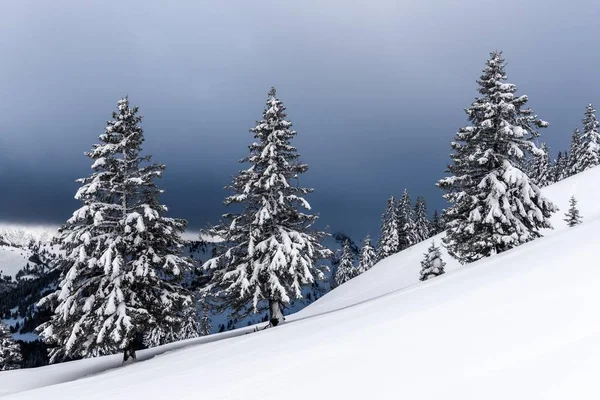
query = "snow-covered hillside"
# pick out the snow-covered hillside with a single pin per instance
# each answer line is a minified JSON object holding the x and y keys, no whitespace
{"x":402,"y":270}
{"x":14,"y":245}
{"x":22,"y":235}
{"x":520,"y":325}
{"x":12,"y":259}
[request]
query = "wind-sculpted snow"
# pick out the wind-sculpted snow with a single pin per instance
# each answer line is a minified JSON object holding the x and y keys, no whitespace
{"x":519,"y":325}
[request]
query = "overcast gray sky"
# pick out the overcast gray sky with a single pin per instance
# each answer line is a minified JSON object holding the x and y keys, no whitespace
{"x":375,"y":89}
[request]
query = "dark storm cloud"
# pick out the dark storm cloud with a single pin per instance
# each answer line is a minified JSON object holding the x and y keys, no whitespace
{"x":375,"y":90}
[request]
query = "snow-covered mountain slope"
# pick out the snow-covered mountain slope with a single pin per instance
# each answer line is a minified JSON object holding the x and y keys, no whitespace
{"x":22,"y":235}
{"x":402,"y":270}
{"x":12,"y":259}
{"x":520,"y":325}
{"x":15,"y":243}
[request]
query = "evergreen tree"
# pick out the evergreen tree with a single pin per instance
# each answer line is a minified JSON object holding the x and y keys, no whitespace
{"x":437,"y":225}
{"x":432,"y":264}
{"x":589,"y":150}
{"x":270,"y":248}
{"x":541,"y":168}
{"x":367,"y":256}
{"x":205,"y":321}
{"x":528,"y":164}
{"x":572,"y":217}
{"x":388,"y":239}
{"x":494,"y":205}
{"x":576,"y":149}
{"x":560,"y":167}
{"x":422,"y":230}
{"x":10,"y":352}
{"x":341,"y":238}
{"x":406,"y":222}
{"x":119,"y":274}
{"x":345,"y":270}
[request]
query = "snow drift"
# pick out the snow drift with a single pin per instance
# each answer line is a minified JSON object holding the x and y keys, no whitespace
{"x":520,"y":325}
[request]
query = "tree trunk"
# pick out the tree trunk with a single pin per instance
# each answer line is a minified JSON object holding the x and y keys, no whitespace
{"x":275,"y":313}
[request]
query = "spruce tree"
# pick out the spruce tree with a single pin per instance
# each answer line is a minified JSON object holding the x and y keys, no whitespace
{"x":270,"y":246}
{"x":345,"y":270}
{"x":121,"y":264}
{"x":432,"y":264}
{"x":406,"y":222}
{"x":494,"y":204}
{"x":589,"y":151}
{"x":560,"y":167}
{"x":367,"y":256}
{"x":528,"y":164}
{"x":437,"y":225}
{"x":205,"y":321}
{"x":422,"y":229}
{"x":10,"y":351}
{"x":388,"y":239}
{"x":572,"y":217}
{"x":541,"y":167}
{"x":576,"y":149}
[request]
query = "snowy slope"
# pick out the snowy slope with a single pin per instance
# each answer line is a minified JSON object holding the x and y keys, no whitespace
{"x":521,"y":325}
{"x":12,"y":259}
{"x":21,"y":235}
{"x":15,"y":254}
{"x":402,"y":270}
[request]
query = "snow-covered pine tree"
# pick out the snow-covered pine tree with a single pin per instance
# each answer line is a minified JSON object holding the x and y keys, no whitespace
{"x":422,"y":225}
{"x":367,"y":256}
{"x":205,"y":321}
{"x":589,"y":150}
{"x":388,"y":239}
{"x":528,"y":163}
{"x":494,"y":205}
{"x":118,"y":285}
{"x":432,"y":264}
{"x":560,"y":167}
{"x":575,"y":151}
{"x":10,"y":351}
{"x":572,"y":217}
{"x":345,"y":270}
{"x":437,"y":225}
{"x":406,"y":222}
{"x":541,"y":167}
{"x":270,"y":246}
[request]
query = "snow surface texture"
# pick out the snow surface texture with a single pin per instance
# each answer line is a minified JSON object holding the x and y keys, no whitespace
{"x":519,"y":325}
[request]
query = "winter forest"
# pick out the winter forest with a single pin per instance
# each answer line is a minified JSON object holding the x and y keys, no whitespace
{"x":119,"y":277}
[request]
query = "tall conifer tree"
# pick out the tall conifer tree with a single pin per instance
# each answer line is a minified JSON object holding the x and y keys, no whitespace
{"x":560,"y":167}
{"x":575,"y":152}
{"x":388,"y":239}
{"x":345,"y":270}
{"x":437,"y":225}
{"x":494,"y":204}
{"x":406,"y":222}
{"x":541,"y":167}
{"x":270,"y":246}
{"x":121,"y":264}
{"x":588,"y":155}
{"x":422,"y":224}
{"x":367,"y":256}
